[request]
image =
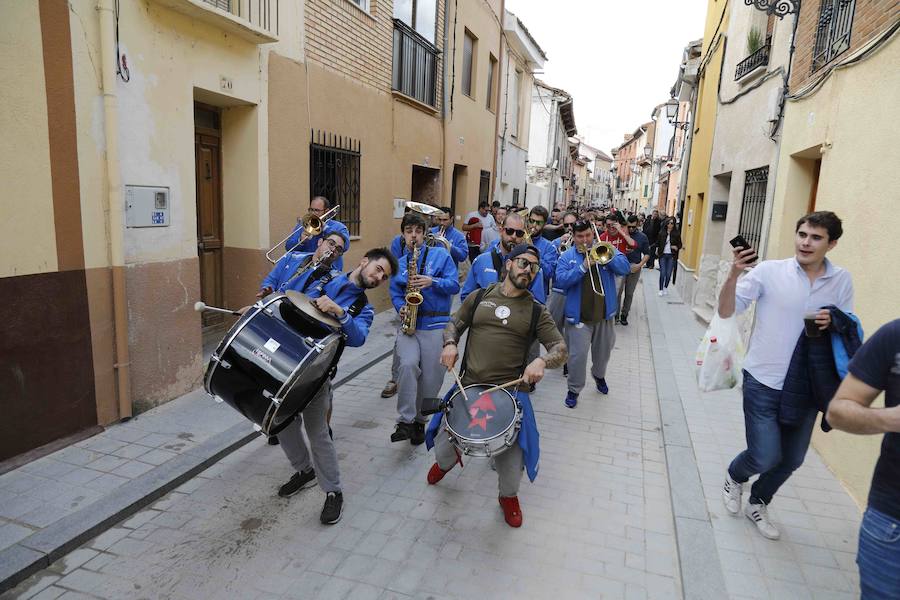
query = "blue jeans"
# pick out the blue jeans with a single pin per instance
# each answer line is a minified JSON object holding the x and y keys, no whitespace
{"x":666,"y":265}
{"x":879,"y":556}
{"x":774,"y":451}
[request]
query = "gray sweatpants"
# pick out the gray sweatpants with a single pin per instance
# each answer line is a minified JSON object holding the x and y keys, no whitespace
{"x":509,"y":463}
{"x":324,"y":456}
{"x":598,"y":339}
{"x":419,"y":374}
{"x":631,"y":281}
{"x":556,"y":304}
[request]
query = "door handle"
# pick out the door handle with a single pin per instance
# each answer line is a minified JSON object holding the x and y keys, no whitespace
{"x":201,"y":246}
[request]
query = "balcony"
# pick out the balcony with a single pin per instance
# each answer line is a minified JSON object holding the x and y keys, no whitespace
{"x":414,"y":65}
{"x":255,"y":21}
{"x":758,"y":59}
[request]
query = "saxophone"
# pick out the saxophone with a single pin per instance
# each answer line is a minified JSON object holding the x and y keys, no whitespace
{"x":413,"y":296}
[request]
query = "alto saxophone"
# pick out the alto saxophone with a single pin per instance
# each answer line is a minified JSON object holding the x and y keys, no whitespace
{"x":413,"y":296}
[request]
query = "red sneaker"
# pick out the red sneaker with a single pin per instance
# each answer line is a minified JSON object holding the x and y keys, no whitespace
{"x":511,"y":511}
{"x":435,"y":473}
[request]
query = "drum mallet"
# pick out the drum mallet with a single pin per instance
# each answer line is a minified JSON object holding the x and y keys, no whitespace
{"x":201,"y":306}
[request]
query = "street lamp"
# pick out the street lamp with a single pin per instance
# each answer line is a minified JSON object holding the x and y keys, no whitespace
{"x":672,"y":114}
{"x":648,"y":151}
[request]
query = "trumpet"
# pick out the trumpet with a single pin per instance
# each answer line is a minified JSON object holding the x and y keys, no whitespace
{"x":313,"y":225}
{"x":565,"y":243}
{"x":601,"y":253}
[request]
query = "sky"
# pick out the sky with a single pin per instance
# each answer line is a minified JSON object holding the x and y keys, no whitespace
{"x":617,"y":58}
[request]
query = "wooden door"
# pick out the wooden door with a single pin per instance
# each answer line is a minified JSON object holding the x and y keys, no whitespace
{"x":209,"y":210}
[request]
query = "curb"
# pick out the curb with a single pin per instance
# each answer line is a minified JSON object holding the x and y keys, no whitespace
{"x":42,"y":548}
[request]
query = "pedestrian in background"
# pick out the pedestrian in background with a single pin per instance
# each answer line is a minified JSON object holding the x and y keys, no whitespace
{"x":668,"y":243}
{"x":651,"y":230}
{"x":875,"y":368}
{"x":637,"y":257}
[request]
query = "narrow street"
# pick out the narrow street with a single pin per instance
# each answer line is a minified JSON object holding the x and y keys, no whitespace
{"x":601,"y":520}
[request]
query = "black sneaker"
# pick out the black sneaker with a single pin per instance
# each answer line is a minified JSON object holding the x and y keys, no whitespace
{"x":297,"y":482}
{"x":417,"y":434}
{"x":333,"y":509}
{"x":623,"y":320}
{"x":401,"y":432}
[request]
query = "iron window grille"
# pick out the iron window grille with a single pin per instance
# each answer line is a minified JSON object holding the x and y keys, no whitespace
{"x":753,"y":205}
{"x":414,"y":64}
{"x":334,"y":172}
{"x":484,"y":187}
{"x":832,"y":31}
{"x":757,"y":59}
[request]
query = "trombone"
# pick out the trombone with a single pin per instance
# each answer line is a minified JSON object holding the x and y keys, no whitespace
{"x":313,"y":225}
{"x":601,"y":253}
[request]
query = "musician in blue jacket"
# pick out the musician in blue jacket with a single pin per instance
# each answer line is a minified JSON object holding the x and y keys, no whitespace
{"x":488,"y":266}
{"x":589,"y":310}
{"x":330,"y":248}
{"x":537,"y":220}
{"x":418,"y":349}
{"x":342,"y":296}
{"x":459,"y":249}
{"x":318,"y":206}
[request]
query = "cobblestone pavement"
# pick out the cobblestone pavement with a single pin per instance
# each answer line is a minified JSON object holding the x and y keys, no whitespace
{"x":598,"y":520}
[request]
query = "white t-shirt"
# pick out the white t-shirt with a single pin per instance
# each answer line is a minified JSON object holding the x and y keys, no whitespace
{"x":488,"y":225}
{"x":783,"y":296}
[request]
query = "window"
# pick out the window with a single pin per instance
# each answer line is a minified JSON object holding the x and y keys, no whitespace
{"x":363,"y":4}
{"x":419,"y":15}
{"x":491,"y":83}
{"x":515,"y":93}
{"x":515,"y":198}
{"x":484,"y":187}
{"x":414,"y":68}
{"x":832,"y":31}
{"x":470,"y":45}
{"x":753,"y":205}
{"x":334,"y":173}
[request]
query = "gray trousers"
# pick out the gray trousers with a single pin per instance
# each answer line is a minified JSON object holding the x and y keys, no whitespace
{"x":324,"y":456}
{"x":556,"y":304}
{"x":598,"y":339}
{"x":420,"y":373}
{"x":631,"y":281}
{"x":509,"y":463}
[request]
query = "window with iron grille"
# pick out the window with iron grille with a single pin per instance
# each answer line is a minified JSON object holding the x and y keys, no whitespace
{"x":753,"y":205}
{"x":334,"y":172}
{"x":414,"y":67}
{"x":832,"y":31}
{"x":468,"y":63}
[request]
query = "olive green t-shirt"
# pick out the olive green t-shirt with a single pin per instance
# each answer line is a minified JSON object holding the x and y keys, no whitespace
{"x":498,"y":336}
{"x":593,"y":306}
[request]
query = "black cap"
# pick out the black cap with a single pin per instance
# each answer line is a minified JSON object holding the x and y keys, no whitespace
{"x":522,"y":249}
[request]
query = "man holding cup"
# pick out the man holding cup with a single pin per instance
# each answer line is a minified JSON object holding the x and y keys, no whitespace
{"x":790,"y":296}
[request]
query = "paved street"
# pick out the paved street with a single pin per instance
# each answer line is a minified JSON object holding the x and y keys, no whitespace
{"x":599,"y":520}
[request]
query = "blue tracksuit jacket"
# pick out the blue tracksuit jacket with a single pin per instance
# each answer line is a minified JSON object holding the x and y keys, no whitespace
{"x":434,"y":312}
{"x":310,"y":245}
{"x":283,"y":271}
{"x":570,"y":273}
{"x":344,"y":293}
{"x":459,"y":249}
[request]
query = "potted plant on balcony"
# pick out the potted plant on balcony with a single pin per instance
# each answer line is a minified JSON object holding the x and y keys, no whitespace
{"x":754,"y":40}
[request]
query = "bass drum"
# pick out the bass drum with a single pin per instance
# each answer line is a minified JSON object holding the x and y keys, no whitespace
{"x":273,"y":362}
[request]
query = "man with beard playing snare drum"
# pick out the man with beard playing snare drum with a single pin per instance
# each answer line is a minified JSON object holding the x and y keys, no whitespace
{"x":503,"y":320}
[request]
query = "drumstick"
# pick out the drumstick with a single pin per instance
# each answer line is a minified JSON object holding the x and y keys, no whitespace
{"x":459,"y":382}
{"x":504,"y":385}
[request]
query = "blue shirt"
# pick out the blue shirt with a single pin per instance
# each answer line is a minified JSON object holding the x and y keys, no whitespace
{"x":284,"y":271}
{"x":642,"y":249}
{"x":312,"y":243}
{"x":482,"y":274}
{"x":570,"y":274}
{"x":459,"y":248}
{"x":344,"y":293}
{"x":434,"y":311}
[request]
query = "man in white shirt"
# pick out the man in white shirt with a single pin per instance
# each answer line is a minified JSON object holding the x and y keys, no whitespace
{"x":477,"y":222}
{"x":785,"y":291}
{"x":492,"y":233}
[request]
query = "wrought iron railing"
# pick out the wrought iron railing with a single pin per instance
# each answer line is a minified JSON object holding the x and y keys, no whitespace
{"x":753,"y":205}
{"x":334,"y":172}
{"x":261,"y":13}
{"x":415,"y":63}
{"x":832,"y":31}
{"x":757,"y":59}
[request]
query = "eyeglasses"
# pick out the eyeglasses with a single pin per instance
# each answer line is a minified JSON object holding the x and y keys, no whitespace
{"x":335,"y":247}
{"x":533,"y":222}
{"x":514,"y":232}
{"x":524,"y":263}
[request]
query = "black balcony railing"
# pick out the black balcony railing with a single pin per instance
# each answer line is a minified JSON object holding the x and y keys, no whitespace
{"x":757,"y":59}
{"x":415,"y":64}
{"x":832,"y":31}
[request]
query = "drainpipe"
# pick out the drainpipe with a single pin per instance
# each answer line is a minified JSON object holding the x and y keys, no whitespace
{"x":502,"y":18}
{"x":116,"y":247}
{"x":445,"y":103}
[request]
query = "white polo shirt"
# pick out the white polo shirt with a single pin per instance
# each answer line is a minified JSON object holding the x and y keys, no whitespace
{"x":783,"y":295}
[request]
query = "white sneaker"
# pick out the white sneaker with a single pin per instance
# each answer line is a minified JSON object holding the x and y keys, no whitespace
{"x":660,"y":292}
{"x":666,"y":292}
{"x":731,"y":494}
{"x":758,"y":513}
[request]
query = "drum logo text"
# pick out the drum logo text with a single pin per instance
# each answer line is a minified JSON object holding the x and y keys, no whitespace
{"x":261,"y":355}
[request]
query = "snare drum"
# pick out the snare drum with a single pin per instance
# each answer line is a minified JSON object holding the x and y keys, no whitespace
{"x":273,"y":362}
{"x":486,"y":425}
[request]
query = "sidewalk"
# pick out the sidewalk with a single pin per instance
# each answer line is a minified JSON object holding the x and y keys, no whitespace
{"x":51,"y":505}
{"x":598,"y":520}
{"x":818,"y":519}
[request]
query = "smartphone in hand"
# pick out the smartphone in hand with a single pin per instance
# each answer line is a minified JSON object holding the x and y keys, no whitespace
{"x":738,"y":241}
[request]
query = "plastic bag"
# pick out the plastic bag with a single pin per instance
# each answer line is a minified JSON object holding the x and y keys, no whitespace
{"x":720,"y":356}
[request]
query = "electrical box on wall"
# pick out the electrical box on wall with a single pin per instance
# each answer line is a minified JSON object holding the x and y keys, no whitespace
{"x":146,"y":206}
{"x":719,"y":211}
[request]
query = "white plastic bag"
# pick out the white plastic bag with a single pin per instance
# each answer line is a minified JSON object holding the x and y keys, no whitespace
{"x":720,"y":356}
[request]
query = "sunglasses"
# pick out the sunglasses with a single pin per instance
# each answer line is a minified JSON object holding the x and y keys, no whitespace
{"x":514,"y":232}
{"x":524,"y":263}
{"x":533,"y":222}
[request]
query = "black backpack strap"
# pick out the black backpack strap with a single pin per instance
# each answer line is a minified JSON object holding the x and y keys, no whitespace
{"x":498,"y":263}
{"x":478,"y":296}
{"x":358,"y":305}
{"x":532,"y":330}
